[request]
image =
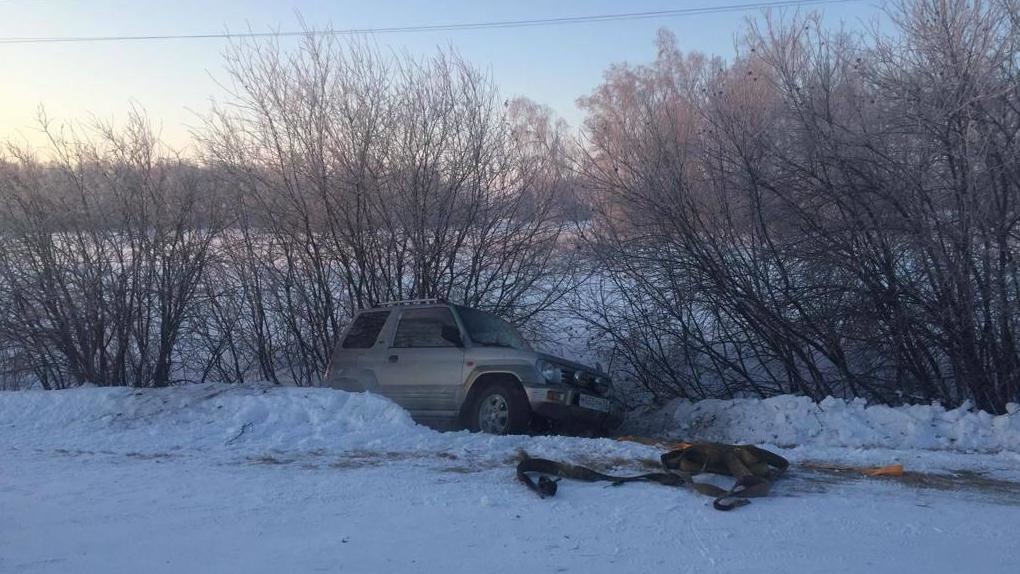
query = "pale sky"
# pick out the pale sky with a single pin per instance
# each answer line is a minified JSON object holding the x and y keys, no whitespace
{"x":174,"y":79}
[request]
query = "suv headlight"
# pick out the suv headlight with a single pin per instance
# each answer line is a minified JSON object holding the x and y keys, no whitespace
{"x":552,"y":373}
{"x":602,"y":385}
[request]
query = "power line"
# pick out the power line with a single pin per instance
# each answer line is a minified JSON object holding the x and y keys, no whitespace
{"x":437,"y":27}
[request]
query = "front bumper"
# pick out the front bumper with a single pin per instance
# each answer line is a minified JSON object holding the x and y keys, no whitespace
{"x":567,"y":410}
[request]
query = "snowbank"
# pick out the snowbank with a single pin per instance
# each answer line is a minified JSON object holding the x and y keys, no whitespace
{"x":197,"y":416}
{"x":253,"y":419}
{"x":247,"y":420}
{"x":790,"y":421}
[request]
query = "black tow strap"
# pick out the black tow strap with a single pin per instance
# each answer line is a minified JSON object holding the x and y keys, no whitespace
{"x":723,"y":499}
{"x":547,"y":487}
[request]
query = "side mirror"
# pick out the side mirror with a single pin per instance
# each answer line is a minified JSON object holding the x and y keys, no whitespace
{"x":452,"y":334}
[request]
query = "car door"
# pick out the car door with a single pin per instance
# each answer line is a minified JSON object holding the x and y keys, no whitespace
{"x":360,"y":357}
{"x":424,"y":369}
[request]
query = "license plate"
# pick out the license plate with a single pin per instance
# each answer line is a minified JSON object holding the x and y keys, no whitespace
{"x":594,"y":403}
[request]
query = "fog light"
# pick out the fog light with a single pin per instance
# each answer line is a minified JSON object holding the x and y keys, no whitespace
{"x":555,"y":396}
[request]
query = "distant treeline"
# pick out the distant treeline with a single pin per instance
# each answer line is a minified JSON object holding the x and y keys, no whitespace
{"x":830,"y":212}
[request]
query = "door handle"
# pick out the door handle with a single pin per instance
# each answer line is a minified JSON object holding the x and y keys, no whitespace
{"x":393,"y":358}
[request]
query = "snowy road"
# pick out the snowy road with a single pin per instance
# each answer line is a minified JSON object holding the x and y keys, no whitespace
{"x":65,"y":512}
{"x":149,"y":496}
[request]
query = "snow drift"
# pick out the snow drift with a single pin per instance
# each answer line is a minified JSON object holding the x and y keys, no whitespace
{"x":259,"y":418}
{"x":198,"y":416}
{"x":256,"y":419}
{"x":790,"y":421}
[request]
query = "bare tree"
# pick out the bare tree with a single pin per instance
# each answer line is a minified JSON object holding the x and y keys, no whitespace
{"x":365,"y":177}
{"x":101,"y":257}
{"x":829,"y":214}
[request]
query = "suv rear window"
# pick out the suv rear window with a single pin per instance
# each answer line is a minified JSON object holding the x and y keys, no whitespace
{"x":365,"y":330}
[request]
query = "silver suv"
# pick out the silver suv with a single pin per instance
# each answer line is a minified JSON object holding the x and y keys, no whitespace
{"x":445,"y":362}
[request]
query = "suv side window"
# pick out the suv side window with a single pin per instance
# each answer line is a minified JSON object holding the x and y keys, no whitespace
{"x":424,"y":328}
{"x":365,"y":330}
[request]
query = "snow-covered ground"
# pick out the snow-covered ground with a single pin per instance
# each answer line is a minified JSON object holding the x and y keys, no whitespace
{"x":257,"y":479}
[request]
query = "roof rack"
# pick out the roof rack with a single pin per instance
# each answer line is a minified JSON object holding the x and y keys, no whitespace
{"x":410,"y":302}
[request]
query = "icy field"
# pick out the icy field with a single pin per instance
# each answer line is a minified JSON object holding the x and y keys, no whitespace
{"x":254,"y":479}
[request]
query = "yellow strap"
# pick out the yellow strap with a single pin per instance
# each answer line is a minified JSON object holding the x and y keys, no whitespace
{"x":888,"y":470}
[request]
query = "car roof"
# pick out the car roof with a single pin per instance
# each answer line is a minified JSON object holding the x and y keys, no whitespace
{"x":406,"y":303}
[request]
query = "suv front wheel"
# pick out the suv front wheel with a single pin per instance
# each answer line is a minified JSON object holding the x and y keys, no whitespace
{"x":500,"y":408}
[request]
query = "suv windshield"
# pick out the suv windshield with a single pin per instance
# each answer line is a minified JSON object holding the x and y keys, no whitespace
{"x":488,"y":330}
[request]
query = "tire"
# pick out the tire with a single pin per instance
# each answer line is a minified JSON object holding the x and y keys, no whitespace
{"x":500,"y":408}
